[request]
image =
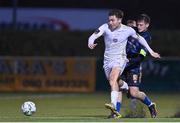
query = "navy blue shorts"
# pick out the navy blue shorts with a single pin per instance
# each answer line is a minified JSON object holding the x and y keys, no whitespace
{"x":127,"y":76}
{"x":133,"y":67}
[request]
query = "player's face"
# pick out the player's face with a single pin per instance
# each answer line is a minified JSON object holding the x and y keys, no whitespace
{"x":142,"y":26}
{"x":114,"y":22}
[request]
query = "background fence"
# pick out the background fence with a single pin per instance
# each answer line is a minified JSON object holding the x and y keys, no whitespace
{"x":76,"y":74}
{"x":38,"y":74}
{"x":158,"y":75}
{"x":74,"y":43}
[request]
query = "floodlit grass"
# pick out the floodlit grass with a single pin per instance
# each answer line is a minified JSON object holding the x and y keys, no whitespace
{"x":81,"y":107}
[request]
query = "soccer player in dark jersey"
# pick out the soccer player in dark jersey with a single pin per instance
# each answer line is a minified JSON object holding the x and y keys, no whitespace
{"x":132,"y":73}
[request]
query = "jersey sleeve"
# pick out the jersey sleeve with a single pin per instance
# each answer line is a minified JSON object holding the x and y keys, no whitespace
{"x":99,"y":32}
{"x":143,"y":50}
{"x":141,"y":40}
{"x":132,"y":32}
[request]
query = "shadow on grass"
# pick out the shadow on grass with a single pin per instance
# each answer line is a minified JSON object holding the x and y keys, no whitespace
{"x":135,"y":110}
{"x":176,"y":115}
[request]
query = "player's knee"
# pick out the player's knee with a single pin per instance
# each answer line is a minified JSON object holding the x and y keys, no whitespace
{"x":111,"y":79}
{"x":134,"y":93}
{"x":113,"y":84}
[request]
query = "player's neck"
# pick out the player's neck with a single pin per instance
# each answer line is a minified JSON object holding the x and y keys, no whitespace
{"x":144,"y":31}
{"x":119,"y":26}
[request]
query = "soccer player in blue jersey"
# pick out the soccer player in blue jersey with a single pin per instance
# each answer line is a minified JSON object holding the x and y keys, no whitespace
{"x":132,"y":73}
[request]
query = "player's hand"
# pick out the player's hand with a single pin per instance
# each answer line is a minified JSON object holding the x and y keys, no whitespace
{"x":92,"y":46}
{"x":155,"y":55}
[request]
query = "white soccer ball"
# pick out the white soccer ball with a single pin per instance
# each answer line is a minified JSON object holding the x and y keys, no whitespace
{"x":28,"y":108}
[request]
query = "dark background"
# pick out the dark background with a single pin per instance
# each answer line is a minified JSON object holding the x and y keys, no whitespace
{"x":165,"y":25}
{"x":165,"y":30}
{"x":164,"y":13}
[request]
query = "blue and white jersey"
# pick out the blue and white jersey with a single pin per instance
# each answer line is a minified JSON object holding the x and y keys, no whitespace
{"x":115,"y":45}
{"x":115,"y":41}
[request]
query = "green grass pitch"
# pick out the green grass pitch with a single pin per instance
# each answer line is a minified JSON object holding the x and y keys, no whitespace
{"x":81,"y":107}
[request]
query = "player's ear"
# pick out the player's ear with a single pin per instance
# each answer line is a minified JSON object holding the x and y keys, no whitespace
{"x":120,"y":19}
{"x":147,"y":25}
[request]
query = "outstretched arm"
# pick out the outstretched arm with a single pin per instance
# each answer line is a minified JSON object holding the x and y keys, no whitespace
{"x":94,"y":36}
{"x":145,"y":44}
{"x":91,"y":40}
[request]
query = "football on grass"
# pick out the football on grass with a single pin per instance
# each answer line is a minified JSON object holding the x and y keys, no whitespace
{"x":28,"y":108}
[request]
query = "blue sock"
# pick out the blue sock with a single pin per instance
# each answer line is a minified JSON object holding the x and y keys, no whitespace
{"x":147,"y":101}
{"x":118,"y":106}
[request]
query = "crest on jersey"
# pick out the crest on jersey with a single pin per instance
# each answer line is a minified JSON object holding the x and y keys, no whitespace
{"x":97,"y":31}
{"x":115,"y":40}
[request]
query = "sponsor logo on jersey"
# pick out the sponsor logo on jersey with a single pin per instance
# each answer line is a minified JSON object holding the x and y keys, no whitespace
{"x":115,"y":40}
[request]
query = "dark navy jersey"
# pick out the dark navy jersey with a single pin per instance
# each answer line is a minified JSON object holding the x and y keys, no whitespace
{"x":136,"y":54}
{"x":146,"y":35}
{"x":133,"y":46}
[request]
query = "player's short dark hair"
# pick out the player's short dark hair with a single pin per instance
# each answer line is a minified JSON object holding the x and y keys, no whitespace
{"x":118,"y":13}
{"x":130,"y":21}
{"x":144,"y":17}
